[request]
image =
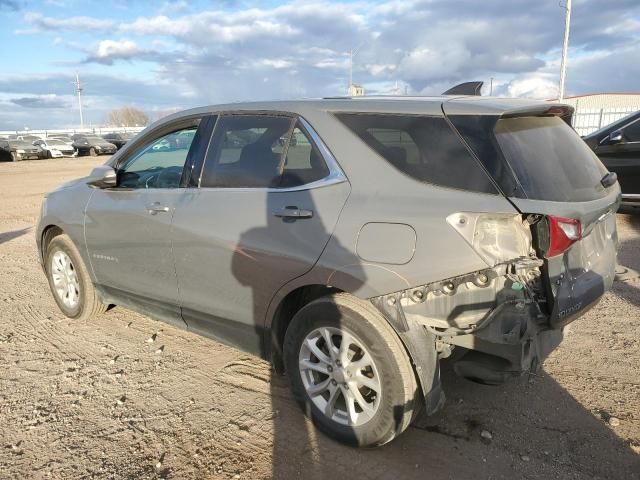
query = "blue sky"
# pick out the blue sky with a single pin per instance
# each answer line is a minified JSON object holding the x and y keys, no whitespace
{"x":166,"y":55}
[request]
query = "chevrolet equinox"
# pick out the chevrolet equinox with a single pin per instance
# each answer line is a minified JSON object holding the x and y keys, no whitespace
{"x":352,"y":242}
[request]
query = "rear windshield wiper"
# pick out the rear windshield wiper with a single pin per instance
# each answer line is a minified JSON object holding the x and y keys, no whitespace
{"x":609,"y":179}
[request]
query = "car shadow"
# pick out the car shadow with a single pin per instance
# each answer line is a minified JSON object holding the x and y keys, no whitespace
{"x":536,"y":429}
{"x":627,"y":284}
{"x":8,"y":236}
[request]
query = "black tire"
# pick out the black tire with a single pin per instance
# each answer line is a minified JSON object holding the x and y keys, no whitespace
{"x":14,"y":157}
{"x":399,"y":397}
{"x":92,"y":152}
{"x":89,"y":304}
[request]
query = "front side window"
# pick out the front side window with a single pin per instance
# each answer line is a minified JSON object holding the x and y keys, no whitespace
{"x":159,"y":163}
{"x":631,"y":133}
{"x":424,"y":148}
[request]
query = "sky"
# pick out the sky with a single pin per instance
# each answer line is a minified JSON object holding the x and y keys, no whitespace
{"x":163,"y":56}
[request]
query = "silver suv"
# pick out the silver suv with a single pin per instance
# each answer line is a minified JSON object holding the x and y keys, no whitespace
{"x":354,"y":243}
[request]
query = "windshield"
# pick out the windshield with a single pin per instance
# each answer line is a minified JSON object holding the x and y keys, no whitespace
{"x":550,"y":160}
{"x":55,"y":142}
{"x":94,"y":139}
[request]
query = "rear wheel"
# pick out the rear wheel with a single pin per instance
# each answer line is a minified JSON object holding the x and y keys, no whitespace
{"x":349,"y":371}
{"x":69,"y":280}
{"x":92,"y":152}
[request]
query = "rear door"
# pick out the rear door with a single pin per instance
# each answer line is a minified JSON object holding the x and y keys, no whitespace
{"x":551,"y":175}
{"x":270,"y":194}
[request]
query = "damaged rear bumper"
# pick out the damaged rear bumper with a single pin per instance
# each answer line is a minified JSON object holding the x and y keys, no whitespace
{"x":498,"y":313}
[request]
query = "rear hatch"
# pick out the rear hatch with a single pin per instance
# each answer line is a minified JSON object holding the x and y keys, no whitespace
{"x":554,"y":179}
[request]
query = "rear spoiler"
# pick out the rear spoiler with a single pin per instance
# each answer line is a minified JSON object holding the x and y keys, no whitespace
{"x":466,"y":88}
{"x":565,"y":112}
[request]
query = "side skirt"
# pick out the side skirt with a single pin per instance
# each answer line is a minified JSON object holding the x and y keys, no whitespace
{"x":235,"y":334}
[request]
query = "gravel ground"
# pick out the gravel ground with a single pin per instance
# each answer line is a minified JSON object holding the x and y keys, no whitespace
{"x":123,"y":396}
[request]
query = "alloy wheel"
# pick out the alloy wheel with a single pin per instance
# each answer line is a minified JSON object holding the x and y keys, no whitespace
{"x":340,"y":376}
{"x":65,"y":279}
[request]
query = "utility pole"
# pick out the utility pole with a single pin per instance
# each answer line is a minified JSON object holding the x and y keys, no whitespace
{"x":565,"y":48}
{"x":352,"y":53}
{"x":491,"y":87}
{"x":79,"y":89}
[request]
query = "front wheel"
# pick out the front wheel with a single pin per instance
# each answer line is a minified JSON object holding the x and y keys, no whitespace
{"x":349,"y":371}
{"x":92,"y":152}
{"x":69,"y":280}
{"x":14,"y":157}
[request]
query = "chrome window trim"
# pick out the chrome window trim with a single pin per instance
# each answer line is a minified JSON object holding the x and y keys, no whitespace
{"x":335,"y":176}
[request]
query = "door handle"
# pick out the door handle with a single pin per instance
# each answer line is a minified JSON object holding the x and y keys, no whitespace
{"x":156,"y":208}
{"x":293,"y":213}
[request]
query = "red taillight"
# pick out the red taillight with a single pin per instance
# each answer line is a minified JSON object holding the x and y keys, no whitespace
{"x":563,"y":232}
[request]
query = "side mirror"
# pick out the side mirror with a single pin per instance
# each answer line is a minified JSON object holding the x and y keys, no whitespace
{"x":615,"y":137}
{"x":103,"y":177}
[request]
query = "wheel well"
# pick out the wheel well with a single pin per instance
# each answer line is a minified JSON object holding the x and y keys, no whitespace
{"x":49,"y":234}
{"x":289,"y":306}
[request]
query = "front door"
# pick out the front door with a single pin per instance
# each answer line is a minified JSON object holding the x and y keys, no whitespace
{"x":266,"y":208}
{"x":127,"y":228}
{"x":624,"y":159}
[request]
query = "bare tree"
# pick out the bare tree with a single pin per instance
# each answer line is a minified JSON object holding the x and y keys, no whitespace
{"x":127,"y":117}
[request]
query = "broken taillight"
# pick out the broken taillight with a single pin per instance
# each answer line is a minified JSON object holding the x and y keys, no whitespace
{"x":563,"y":232}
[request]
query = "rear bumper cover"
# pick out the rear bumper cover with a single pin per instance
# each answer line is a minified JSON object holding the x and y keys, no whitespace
{"x":510,"y":316}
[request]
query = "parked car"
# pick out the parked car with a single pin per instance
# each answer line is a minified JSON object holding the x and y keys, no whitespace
{"x":356,"y":259}
{"x":618,"y":146}
{"x":65,"y":138}
{"x":29,"y":138}
{"x":118,"y":139}
{"x":16,"y":150}
{"x":92,"y":145}
{"x":55,"y":148}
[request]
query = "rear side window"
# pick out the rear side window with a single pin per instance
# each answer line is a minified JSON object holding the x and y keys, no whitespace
{"x":303,"y":163}
{"x":261,"y":151}
{"x":549,"y":159}
{"x":424,"y":148}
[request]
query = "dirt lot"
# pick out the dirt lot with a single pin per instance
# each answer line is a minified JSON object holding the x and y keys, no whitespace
{"x":100,"y":399}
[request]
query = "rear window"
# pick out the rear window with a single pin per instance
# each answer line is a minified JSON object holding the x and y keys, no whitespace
{"x":540,"y":158}
{"x":550,"y":160}
{"x":424,"y":148}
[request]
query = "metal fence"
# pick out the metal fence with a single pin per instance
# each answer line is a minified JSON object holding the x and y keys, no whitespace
{"x":71,"y":131}
{"x":586,"y":121}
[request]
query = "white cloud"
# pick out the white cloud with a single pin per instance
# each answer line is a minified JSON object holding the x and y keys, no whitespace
{"x":536,"y":86}
{"x":224,"y":53}
{"x":41,"y":23}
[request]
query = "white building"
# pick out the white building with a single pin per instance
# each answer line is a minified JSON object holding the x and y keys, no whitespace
{"x":597,"y":110}
{"x":355,"y":90}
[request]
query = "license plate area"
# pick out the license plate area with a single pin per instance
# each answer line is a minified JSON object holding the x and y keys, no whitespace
{"x":580,"y":276}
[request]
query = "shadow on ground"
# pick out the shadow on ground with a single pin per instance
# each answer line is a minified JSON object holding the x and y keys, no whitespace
{"x":538,"y":431}
{"x":8,"y":236}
